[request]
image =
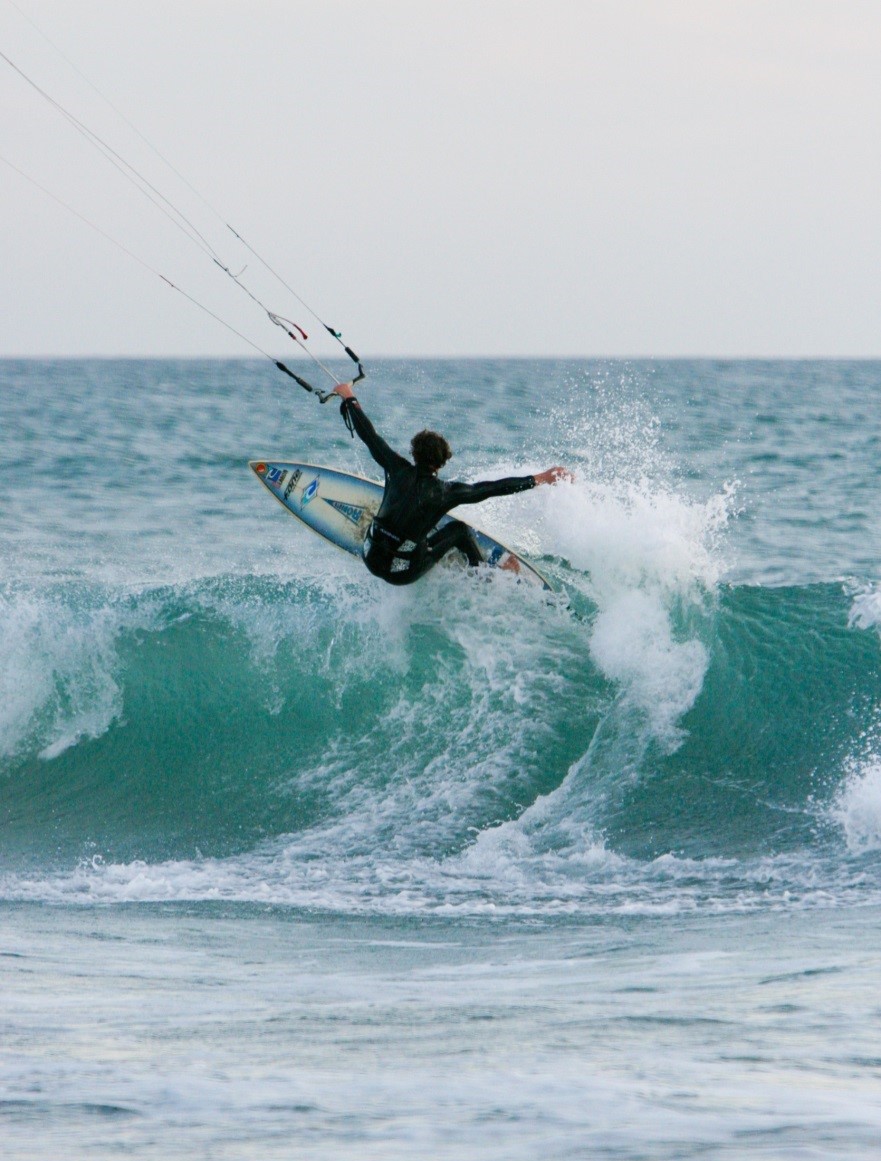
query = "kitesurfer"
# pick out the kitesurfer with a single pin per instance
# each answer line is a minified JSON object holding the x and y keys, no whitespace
{"x":400,"y":546}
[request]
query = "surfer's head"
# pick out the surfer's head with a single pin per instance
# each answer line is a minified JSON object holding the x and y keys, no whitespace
{"x":430,"y":450}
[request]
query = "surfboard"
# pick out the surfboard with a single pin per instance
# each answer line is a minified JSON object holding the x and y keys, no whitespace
{"x":340,"y":506}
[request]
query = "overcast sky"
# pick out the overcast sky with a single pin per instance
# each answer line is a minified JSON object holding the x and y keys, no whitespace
{"x":452,"y":177}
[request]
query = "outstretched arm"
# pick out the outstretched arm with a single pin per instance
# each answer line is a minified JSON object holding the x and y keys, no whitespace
{"x":487,"y":489}
{"x":352,"y":412}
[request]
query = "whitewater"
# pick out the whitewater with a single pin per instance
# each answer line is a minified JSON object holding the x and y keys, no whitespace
{"x":295,"y":864}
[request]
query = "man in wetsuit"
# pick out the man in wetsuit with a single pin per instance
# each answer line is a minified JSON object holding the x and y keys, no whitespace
{"x":400,"y":546}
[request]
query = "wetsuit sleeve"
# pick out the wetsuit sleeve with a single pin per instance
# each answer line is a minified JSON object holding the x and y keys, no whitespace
{"x":385,"y":456}
{"x":473,"y":493}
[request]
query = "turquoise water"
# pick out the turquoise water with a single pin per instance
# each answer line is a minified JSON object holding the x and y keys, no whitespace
{"x":294,"y":864}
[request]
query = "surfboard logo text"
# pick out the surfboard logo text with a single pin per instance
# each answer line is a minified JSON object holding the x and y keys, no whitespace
{"x":291,"y":482}
{"x":352,"y":512}
{"x":311,"y":492}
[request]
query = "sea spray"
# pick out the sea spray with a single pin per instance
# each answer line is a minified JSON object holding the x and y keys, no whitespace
{"x":865,"y":610}
{"x":59,"y":682}
{"x":857,"y":806}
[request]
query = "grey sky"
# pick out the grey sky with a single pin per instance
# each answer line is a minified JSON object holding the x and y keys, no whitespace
{"x":623,"y":177}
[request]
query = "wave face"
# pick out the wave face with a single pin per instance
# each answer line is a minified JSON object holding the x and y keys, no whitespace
{"x":259,"y":737}
{"x":676,"y":731}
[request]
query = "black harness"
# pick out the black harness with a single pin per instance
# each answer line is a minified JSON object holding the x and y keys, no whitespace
{"x":388,"y":542}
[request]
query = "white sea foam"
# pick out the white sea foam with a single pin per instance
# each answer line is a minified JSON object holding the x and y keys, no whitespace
{"x":647,"y":557}
{"x":857,"y":807}
{"x":502,"y":875}
{"x":58,"y":679}
{"x":650,"y":559}
{"x":865,"y":610}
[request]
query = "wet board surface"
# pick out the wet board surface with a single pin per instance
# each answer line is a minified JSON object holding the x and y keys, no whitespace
{"x":340,"y":507}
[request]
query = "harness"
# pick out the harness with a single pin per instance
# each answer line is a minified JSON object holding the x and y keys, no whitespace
{"x":388,"y":542}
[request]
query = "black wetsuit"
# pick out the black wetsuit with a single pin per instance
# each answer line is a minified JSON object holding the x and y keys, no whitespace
{"x":398,"y":547}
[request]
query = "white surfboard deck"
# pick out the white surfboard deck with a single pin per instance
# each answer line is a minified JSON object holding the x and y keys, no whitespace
{"x":340,"y":507}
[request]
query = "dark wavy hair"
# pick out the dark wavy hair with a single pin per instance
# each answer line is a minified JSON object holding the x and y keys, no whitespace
{"x":430,"y":450}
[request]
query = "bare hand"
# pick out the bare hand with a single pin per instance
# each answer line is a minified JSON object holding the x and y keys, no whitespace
{"x":344,"y":390}
{"x":553,"y":475}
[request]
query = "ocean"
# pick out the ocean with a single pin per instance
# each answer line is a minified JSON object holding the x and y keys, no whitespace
{"x":298,"y":865}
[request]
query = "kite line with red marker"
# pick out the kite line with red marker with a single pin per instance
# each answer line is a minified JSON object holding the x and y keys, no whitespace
{"x":196,"y":236}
